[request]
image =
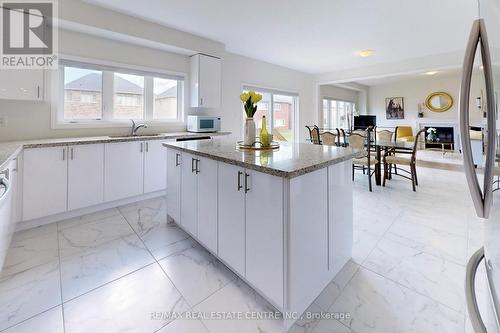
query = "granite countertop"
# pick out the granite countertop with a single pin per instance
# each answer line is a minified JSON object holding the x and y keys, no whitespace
{"x":10,"y":150}
{"x":291,"y":160}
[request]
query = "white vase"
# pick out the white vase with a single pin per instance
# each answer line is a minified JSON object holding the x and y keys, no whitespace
{"x":249,"y":132}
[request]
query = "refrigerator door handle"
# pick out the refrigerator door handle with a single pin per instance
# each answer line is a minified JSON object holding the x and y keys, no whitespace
{"x":470,"y":291}
{"x":482,"y":200}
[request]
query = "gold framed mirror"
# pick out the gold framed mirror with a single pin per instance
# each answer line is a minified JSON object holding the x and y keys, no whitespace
{"x":439,"y":101}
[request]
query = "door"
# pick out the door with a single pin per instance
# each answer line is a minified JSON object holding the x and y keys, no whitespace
{"x":123,"y":170}
{"x":85,"y":176}
{"x":210,"y":74}
{"x":155,"y":164}
{"x":174,"y":184}
{"x":207,"y":203}
{"x":264,"y":233}
{"x":189,"y":193}
{"x":231,"y":233}
{"x":45,"y":182}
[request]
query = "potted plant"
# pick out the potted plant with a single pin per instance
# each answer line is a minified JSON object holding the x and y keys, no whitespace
{"x":250,"y":100}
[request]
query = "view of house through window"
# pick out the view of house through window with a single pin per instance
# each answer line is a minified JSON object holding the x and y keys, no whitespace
{"x":279,"y":109}
{"x":337,"y":114}
{"x":82,"y":94}
{"x":92,"y":94}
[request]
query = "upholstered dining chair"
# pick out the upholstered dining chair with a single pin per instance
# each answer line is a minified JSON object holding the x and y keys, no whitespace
{"x":329,"y":138}
{"x":358,"y":141}
{"x":314,"y":134}
{"x":398,"y":160}
{"x":383,"y":135}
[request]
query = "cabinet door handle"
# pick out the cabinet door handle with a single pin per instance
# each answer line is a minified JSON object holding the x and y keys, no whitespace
{"x":72,"y":153}
{"x":197,"y":167}
{"x":142,"y":147}
{"x":239,"y":180}
{"x":192,"y":165}
{"x":246,"y":182}
{"x":147,"y":147}
{"x":64,"y":154}
{"x":177,"y":160}
{"x":17,"y":165}
{"x":201,"y":100}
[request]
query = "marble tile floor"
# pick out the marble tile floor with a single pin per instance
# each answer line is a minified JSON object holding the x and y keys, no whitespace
{"x":121,"y":269}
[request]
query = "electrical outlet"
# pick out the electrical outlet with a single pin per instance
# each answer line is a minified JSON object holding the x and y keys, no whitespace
{"x":3,"y":121}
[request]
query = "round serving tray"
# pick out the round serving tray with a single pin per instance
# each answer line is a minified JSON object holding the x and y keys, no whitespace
{"x":257,"y":146}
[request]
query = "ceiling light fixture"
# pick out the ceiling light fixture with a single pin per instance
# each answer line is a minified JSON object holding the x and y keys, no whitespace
{"x":431,"y":73}
{"x":365,"y":53}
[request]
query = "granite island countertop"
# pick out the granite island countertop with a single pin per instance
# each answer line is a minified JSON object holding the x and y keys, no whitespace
{"x":9,"y":150}
{"x":289,"y":161}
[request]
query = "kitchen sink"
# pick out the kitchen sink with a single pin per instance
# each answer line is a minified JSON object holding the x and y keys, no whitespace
{"x":134,"y":136}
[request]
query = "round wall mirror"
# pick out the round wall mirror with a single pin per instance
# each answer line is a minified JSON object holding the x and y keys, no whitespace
{"x":439,"y":102}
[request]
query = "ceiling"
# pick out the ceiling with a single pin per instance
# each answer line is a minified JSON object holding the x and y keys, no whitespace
{"x":316,"y":36}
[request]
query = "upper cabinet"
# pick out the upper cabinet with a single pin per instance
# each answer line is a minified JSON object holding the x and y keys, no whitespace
{"x":22,"y":84}
{"x":206,"y":81}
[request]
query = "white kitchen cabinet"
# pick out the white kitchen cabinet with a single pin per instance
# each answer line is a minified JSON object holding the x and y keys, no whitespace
{"x":231,"y":203}
{"x":8,"y":201}
{"x":45,"y":191}
{"x":22,"y":84}
{"x":124,"y":170}
{"x":155,"y":164}
{"x":189,"y":193}
{"x":340,"y":208}
{"x":206,"y":81}
{"x":85,"y":175}
{"x":174,"y":184}
{"x":264,"y":233}
{"x":207,"y":203}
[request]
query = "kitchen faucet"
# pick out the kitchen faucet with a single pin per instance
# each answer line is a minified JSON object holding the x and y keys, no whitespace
{"x":135,"y":127}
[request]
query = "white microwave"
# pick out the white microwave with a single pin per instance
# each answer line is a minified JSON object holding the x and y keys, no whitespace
{"x":200,"y":124}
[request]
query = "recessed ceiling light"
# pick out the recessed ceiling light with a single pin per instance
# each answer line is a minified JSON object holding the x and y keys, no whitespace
{"x":365,"y":53}
{"x":431,"y":73}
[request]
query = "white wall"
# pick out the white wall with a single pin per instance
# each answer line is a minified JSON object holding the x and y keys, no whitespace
{"x":32,"y":120}
{"x":416,"y":91}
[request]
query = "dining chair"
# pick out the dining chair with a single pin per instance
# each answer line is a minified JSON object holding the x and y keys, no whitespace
{"x":405,"y":133}
{"x":329,"y":139}
{"x":358,"y":141}
{"x":314,"y":134}
{"x":398,"y":160}
{"x":384,"y":135}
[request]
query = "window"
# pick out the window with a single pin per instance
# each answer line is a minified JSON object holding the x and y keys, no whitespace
{"x":128,"y":96}
{"x":165,"y":97}
{"x":337,"y":114}
{"x":93,"y":94}
{"x":281,"y":118}
{"x":82,"y":94}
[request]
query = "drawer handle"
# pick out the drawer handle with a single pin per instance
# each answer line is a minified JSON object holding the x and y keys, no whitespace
{"x":193,"y":169}
{"x":239,"y":180}
{"x":177,"y":160}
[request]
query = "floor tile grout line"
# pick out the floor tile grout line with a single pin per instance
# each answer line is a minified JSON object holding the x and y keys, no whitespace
{"x":60,"y":277}
{"x":411,"y":289}
{"x":157,"y":262}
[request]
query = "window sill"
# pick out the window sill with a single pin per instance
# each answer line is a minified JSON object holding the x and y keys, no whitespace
{"x":115,"y":124}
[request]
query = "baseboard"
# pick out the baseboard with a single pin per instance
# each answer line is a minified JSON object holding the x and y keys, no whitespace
{"x":24,"y":225}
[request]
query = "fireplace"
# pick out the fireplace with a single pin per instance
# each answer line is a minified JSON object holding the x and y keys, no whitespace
{"x":445,"y":137}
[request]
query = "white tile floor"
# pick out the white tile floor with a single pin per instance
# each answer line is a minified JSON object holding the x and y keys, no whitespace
{"x":109,"y":271}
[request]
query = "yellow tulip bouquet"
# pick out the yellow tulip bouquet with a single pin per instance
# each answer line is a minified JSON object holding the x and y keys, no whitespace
{"x":250,"y":100}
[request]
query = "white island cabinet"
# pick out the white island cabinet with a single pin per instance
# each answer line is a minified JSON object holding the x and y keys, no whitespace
{"x":282,"y":221}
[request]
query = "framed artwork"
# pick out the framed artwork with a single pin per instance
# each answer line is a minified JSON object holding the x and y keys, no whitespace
{"x":394,"y":108}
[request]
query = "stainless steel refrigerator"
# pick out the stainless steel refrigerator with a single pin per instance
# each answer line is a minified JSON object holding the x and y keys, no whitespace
{"x":483,"y":56}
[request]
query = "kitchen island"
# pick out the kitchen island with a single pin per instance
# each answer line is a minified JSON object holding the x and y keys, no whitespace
{"x":281,"y":220}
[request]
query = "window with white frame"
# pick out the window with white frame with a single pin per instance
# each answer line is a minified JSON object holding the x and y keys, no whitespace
{"x":337,"y":114}
{"x":280,"y":109}
{"x":98,"y":94}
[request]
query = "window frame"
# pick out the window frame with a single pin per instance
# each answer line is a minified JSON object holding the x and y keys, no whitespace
{"x":108,"y":69}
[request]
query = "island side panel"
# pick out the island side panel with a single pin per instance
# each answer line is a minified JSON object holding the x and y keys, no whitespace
{"x":307,"y":244}
{"x":340,"y":205}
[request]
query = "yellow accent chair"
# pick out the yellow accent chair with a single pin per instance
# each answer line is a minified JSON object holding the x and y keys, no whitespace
{"x":405,"y":133}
